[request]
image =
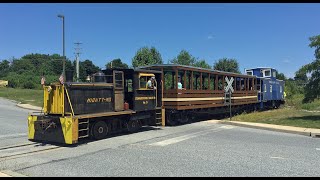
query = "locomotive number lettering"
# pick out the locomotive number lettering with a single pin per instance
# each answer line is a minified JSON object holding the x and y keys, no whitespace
{"x":96,"y":100}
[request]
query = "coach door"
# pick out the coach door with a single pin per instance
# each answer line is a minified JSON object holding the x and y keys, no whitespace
{"x":118,"y":90}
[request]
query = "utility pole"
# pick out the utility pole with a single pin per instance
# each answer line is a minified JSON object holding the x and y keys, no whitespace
{"x":77,"y":58}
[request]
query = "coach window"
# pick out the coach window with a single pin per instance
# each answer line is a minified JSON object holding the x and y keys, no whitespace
{"x":170,"y":80}
{"x":250,"y":84}
{"x":182,"y":79}
{"x":196,"y":80}
{"x":220,"y":85}
{"x":237,"y":84}
{"x":243,"y":84}
{"x":205,"y":81}
{"x":188,"y":80}
{"x":212,"y":81}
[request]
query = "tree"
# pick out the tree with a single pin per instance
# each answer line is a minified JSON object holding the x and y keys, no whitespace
{"x":202,"y":64}
{"x":145,"y":56}
{"x":4,"y":68}
{"x":281,"y":76}
{"x":184,"y":58}
{"x":228,"y":65}
{"x":116,"y":63}
{"x":86,"y":68}
{"x":312,"y":88}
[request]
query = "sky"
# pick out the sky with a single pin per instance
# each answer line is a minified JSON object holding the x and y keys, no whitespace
{"x":255,"y":34}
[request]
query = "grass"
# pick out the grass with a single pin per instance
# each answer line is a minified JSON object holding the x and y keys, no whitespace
{"x":25,"y":96}
{"x":287,"y":116}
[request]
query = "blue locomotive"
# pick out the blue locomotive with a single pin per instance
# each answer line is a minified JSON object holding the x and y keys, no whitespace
{"x":270,"y":89}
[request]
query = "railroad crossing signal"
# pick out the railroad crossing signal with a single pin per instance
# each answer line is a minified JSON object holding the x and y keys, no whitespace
{"x":229,"y":86}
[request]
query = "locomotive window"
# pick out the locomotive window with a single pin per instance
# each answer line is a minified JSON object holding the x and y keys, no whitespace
{"x":267,"y":73}
{"x":212,"y":81}
{"x":280,"y":89}
{"x":143,"y":82}
{"x":118,"y":80}
{"x":274,"y":73}
{"x":271,"y":88}
{"x":265,"y":88}
{"x":129,"y":85}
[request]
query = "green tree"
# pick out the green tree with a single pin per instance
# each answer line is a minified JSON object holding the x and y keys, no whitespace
{"x":116,"y":63}
{"x":202,"y":64}
{"x":145,"y":56}
{"x":4,"y":67}
{"x":86,"y":68}
{"x":184,"y":58}
{"x":281,"y":76}
{"x":228,"y":65}
{"x":312,"y":88}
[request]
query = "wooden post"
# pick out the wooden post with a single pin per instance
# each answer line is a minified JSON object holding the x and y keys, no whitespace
{"x":185,"y":79}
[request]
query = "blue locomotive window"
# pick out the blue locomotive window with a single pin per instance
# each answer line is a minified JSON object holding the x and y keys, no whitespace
{"x":265,"y":88}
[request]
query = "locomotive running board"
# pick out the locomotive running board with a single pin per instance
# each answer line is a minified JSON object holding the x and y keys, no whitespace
{"x":104,"y":114}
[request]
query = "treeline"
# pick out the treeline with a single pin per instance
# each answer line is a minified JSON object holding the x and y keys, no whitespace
{"x":26,"y":72}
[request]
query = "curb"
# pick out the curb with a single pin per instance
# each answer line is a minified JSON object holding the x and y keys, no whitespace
{"x":35,"y":108}
{"x":252,"y":125}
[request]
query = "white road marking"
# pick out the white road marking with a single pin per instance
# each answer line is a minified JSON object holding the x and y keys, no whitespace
{"x":277,"y":158}
{"x":12,"y":135}
{"x":188,"y":136}
{"x":318,"y":149}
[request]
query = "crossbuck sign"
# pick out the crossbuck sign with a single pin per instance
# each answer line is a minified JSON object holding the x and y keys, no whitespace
{"x":229,"y":86}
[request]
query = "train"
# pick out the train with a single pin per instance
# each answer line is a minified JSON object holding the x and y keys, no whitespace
{"x":117,"y":100}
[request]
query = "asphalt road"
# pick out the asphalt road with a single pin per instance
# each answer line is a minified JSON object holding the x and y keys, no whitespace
{"x":13,"y":123}
{"x":199,"y":149}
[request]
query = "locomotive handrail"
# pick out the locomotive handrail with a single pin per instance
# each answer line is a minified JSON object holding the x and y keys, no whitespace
{"x":69,"y":101}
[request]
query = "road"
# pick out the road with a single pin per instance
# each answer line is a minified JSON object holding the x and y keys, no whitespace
{"x":204,"y":148}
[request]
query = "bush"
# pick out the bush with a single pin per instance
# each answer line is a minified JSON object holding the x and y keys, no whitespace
{"x":28,"y":85}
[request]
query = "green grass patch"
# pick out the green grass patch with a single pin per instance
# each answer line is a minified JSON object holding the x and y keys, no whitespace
{"x":25,"y":96}
{"x":284,"y":116}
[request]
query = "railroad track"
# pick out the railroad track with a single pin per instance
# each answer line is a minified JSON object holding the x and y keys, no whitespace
{"x":25,"y":149}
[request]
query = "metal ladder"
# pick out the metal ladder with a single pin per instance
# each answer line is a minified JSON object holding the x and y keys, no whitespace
{"x":83,"y":128}
{"x":158,"y":116}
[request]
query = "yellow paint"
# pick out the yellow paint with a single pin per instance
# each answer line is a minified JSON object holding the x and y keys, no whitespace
{"x":163,"y":111}
{"x":31,"y":131}
{"x":53,"y":99}
{"x":192,"y":99}
{"x":66,"y":125}
{"x":144,"y":98}
{"x":204,"y":99}
{"x":146,"y":74}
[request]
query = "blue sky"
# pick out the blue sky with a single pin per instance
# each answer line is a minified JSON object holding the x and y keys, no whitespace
{"x":257,"y":35}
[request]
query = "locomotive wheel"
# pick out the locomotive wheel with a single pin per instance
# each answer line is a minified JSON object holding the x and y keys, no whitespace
{"x":99,"y":130}
{"x":133,"y":125}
